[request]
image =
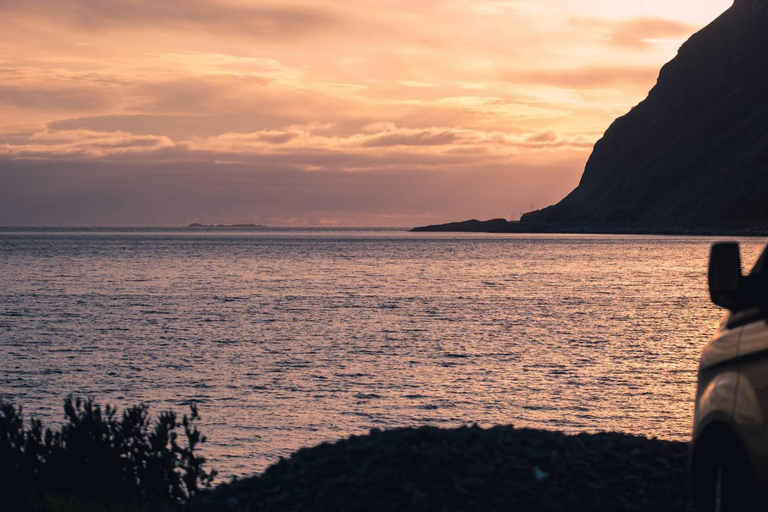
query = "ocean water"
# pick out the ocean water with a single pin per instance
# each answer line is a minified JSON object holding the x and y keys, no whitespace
{"x":289,"y":338}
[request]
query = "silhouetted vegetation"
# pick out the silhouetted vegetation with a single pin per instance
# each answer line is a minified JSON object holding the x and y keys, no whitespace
{"x":99,"y":460}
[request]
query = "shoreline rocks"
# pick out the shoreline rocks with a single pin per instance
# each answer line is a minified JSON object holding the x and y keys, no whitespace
{"x":467,"y":469}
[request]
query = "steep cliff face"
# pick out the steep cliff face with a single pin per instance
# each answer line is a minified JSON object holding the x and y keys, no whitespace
{"x":695,"y":152}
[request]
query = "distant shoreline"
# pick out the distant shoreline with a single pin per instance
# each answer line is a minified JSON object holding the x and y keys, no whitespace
{"x":196,"y":225}
{"x":505,"y":226}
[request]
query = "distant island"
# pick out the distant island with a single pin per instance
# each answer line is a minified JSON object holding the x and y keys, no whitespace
{"x":692,"y":158}
{"x":196,"y":225}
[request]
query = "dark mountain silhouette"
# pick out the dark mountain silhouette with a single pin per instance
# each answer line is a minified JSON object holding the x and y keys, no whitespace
{"x":693,"y":156}
{"x":695,"y":152}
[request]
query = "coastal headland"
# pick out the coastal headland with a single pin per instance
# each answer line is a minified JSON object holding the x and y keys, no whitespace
{"x":505,"y":226}
{"x":692,"y":158}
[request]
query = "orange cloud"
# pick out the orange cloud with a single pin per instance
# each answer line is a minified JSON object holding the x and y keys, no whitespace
{"x":648,"y":29}
{"x":639,"y":33}
{"x":592,"y":77}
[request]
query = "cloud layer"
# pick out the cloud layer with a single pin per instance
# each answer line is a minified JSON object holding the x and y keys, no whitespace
{"x":296,"y":112}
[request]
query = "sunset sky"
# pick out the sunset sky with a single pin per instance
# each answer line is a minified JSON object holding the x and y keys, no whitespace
{"x":309,"y":113}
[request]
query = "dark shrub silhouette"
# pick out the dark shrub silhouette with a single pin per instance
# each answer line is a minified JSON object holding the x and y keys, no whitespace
{"x":99,"y":457}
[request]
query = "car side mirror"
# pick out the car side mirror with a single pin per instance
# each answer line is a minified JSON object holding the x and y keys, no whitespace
{"x":726,"y":284}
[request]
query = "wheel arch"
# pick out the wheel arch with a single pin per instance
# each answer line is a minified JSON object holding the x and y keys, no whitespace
{"x":716,"y":438}
{"x":713,"y":435}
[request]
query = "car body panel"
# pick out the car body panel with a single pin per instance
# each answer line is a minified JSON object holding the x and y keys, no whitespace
{"x":718,"y":379}
{"x":715,"y":402}
{"x":723,"y":348}
{"x":752,"y":396}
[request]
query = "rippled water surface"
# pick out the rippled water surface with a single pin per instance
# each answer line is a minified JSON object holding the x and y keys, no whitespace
{"x":288,"y":338}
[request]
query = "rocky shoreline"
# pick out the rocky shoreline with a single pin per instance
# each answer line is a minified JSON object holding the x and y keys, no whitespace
{"x":467,"y":469}
{"x":505,"y":226}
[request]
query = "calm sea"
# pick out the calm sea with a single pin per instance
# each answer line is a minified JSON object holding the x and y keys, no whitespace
{"x":289,"y":338}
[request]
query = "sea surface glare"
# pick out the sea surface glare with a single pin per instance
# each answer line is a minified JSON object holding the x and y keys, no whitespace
{"x":289,"y":338}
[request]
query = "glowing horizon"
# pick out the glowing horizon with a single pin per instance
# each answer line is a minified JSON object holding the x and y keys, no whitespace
{"x":386,"y":113}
